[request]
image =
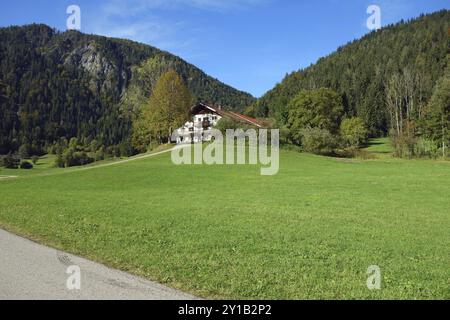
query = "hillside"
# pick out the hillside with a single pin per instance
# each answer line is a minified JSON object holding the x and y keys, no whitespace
{"x":360,"y":69}
{"x":56,"y":84}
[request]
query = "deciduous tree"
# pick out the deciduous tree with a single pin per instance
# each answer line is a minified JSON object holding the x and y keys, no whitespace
{"x":353,"y":131}
{"x":321,"y":108}
{"x":166,"y":110}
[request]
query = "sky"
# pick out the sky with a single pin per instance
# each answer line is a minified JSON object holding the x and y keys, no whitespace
{"x":248,"y":44}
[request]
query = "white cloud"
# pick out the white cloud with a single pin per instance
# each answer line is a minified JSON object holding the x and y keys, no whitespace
{"x":150,"y":30}
{"x":139,"y":20}
{"x":142,"y":31}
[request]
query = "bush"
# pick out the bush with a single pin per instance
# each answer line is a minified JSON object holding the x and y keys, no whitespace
{"x":427,"y":148}
{"x":153,"y":145}
{"x":99,"y":154}
{"x":404,"y":144}
{"x":318,"y":141}
{"x":126,"y":150}
{"x":112,"y":151}
{"x":353,"y":132}
{"x":25,"y":165}
{"x":71,"y":158}
{"x":10,"y":162}
{"x":34,"y":159}
{"x":59,"y":162}
{"x":116,"y":152}
{"x":79,"y":159}
{"x":58,"y":146}
{"x":73,"y":143}
{"x":94,"y":146}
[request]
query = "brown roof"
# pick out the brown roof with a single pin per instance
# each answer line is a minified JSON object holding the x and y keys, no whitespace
{"x":226,"y":113}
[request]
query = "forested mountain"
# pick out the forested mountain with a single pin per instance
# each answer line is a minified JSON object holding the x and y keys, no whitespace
{"x":360,"y":70}
{"x":68,"y":84}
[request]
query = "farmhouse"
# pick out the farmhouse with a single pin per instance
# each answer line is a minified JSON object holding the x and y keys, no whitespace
{"x":204,"y":118}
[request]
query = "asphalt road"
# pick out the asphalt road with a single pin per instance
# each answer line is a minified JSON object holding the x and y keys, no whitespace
{"x":31,"y":271}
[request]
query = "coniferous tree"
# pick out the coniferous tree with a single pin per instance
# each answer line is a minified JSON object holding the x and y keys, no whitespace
{"x":360,"y":70}
{"x":437,"y":124}
{"x":68,"y":84}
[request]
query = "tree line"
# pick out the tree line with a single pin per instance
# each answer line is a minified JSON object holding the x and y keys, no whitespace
{"x":391,"y":82}
{"x":360,"y":71}
{"x":57,"y":85}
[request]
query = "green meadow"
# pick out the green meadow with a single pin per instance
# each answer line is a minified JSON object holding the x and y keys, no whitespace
{"x":309,"y":232}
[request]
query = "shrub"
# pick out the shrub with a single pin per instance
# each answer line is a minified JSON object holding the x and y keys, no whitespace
{"x":153,"y":145}
{"x":318,"y":141}
{"x":353,"y":132}
{"x":404,"y":144}
{"x":110,"y":151}
{"x":99,"y":154}
{"x":94,"y":145}
{"x":10,"y":162}
{"x":79,"y":159}
{"x":73,"y":143}
{"x":34,"y":159}
{"x":427,"y":148}
{"x":71,"y":158}
{"x":25,"y":165}
{"x":126,"y":150}
{"x":116,"y":152}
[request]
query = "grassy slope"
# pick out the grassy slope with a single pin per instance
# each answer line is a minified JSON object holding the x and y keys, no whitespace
{"x":225,"y":231}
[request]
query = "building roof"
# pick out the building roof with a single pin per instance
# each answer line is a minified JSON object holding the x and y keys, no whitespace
{"x":201,"y":107}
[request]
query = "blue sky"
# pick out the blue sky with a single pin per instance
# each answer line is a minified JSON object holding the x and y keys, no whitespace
{"x":249,"y":44}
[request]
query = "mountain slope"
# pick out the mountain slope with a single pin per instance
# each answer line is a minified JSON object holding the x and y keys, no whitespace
{"x":359,"y":70}
{"x":69,"y":84}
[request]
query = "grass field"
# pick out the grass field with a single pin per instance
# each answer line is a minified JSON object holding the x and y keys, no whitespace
{"x":380,"y":147}
{"x":227,"y":232}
